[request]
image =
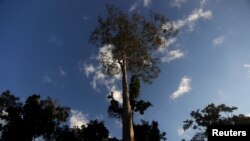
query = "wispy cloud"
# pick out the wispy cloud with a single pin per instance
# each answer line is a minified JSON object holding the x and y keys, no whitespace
{"x":166,"y":43}
{"x":181,"y":132}
{"x":177,"y":3}
{"x":247,"y":67}
{"x":87,"y":69}
{"x":180,"y":3}
{"x":95,"y":72}
{"x":191,"y":19}
{"x":53,"y":39}
{"x":133,"y":6}
{"x":146,"y":2}
{"x":77,"y":119}
{"x":172,"y":55}
{"x":184,"y":133}
{"x":62,"y":72}
{"x":218,"y":41}
{"x":137,"y":3}
{"x":184,"y":87}
{"x":189,"y":22}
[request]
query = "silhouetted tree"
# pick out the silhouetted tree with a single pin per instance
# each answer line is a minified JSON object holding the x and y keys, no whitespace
{"x":132,"y":39}
{"x":148,"y":132}
{"x":43,"y":118}
{"x":30,"y":120}
{"x":93,"y":131}
{"x":212,"y":115}
{"x":68,"y":134}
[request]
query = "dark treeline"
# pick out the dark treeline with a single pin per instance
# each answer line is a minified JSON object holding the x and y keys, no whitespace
{"x":45,"y":118}
{"x":212,"y":115}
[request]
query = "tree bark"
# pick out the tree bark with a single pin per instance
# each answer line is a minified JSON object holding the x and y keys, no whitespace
{"x":127,"y":115}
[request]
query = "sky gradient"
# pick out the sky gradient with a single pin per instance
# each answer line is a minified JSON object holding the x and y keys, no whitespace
{"x":44,"y":50}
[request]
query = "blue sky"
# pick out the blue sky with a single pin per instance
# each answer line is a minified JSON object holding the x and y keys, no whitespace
{"x":44,"y":49}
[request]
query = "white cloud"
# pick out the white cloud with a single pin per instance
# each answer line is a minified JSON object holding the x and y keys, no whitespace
{"x":247,"y":66}
{"x":166,"y":43}
{"x":62,"y":72}
{"x":133,"y":6}
{"x":105,"y":53}
{"x":185,"y":133}
{"x":247,"y":115}
{"x":183,"y":88}
{"x":117,"y":94}
{"x":177,"y":3}
{"x":88,"y":69}
{"x":218,"y":40}
{"x":181,"y":132}
{"x":99,"y":78}
{"x":172,"y":55}
{"x":77,"y":119}
{"x":144,"y":3}
{"x":190,"y":20}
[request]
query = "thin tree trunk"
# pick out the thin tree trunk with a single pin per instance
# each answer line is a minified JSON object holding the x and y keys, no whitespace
{"x":127,"y":115}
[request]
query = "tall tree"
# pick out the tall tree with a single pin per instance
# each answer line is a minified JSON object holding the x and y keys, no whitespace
{"x":132,"y":40}
{"x":143,"y":131}
{"x":213,"y":115}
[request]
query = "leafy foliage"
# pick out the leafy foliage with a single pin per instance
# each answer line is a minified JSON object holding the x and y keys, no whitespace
{"x":212,"y":115}
{"x":43,"y":118}
{"x":137,"y":105}
{"x":30,"y":120}
{"x":148,"y":132}
{"x":134,"y":38}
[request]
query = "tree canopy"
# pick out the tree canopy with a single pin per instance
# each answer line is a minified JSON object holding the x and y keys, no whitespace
{"x":44,"y":118}
{"x":131,"y":39}
{"x":213,"y":115}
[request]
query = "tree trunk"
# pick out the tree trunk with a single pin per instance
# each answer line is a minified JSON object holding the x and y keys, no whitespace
{"x":127,"y":115}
